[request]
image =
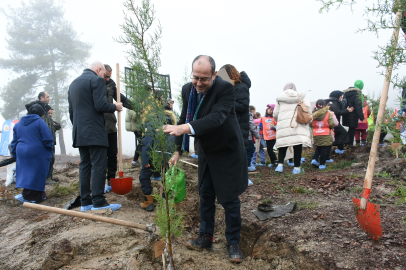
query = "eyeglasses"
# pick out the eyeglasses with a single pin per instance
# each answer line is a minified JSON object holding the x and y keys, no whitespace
{"x":197,"y":79}
{"x":107,"y":77}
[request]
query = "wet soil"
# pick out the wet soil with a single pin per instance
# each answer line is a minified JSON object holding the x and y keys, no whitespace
{"x":321,"y":233}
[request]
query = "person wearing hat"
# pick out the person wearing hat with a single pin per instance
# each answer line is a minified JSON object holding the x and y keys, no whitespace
{"x":32,"y":147}
{"x":339,"y":108}
{"x":268,"y":127}
{"x":354,"y":99}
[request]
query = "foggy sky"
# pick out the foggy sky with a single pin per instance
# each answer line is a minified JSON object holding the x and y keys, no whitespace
{"x":274,"y":42}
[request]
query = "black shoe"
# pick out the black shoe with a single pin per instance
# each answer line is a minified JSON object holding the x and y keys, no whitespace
{"x":203,"y":242}
{"x":234,"y":253}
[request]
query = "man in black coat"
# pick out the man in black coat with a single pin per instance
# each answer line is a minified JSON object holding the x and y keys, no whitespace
{"x":87,"y":103}
{"x":222,"y":158}
{"x":353,"y":97}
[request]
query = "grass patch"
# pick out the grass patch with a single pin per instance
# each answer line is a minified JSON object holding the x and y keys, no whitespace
{"x":301,"y":190}
{"x":306,"y":205}
{"x":339,"y":165}
{"x":383,"y":175}
{"x":356,"y":189}
{"x":400,"y":191}
{"x":60,"y":191}
{"x":266,"y":200}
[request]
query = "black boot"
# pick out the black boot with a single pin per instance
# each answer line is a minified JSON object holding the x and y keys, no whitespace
{"x":203,"y":242}
{"x":234,"y":253}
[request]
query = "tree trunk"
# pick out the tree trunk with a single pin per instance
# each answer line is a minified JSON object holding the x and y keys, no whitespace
{"x":62,"y":142}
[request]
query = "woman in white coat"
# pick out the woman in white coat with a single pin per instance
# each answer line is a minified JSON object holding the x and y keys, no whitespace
{"x":287,"y":134}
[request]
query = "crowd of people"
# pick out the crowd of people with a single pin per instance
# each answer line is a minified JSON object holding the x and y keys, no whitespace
{"x":216,"y":113}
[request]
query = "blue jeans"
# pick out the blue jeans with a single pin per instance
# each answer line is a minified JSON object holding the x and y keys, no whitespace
{"x":250,"y":152}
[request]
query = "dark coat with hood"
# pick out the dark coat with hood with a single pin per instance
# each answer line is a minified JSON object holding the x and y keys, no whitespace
{"x":111,"y":94}
{"x":221,"y":146}
{"x":242,"y":103}
{"x":32,"y":146}
{"x":340,"y":133}
{"x":353,"y":97}
{"x":87,"y":103}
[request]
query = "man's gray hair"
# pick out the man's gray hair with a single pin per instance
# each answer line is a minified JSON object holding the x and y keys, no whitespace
{"x":95,"y":65}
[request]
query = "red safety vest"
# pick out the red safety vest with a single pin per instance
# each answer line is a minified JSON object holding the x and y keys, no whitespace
{"x":267,"y":124}
{"x":321,"y":128}
{"x":365,"y":111}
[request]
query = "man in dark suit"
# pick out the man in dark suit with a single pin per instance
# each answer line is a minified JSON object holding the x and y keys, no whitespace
{"x":208,"y":114}
{"x":87,"y":103}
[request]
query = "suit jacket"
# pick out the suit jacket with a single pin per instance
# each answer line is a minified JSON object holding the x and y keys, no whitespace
{"x":87,"y":103}
{"x":221,"y":146}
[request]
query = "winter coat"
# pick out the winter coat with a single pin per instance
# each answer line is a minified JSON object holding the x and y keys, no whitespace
{"x":87,"y":103}
{"x":46,"y":117}
{"x":32,"y":146}
{"x":339,"y":108}
{"x":111,"y":94}
{"x":131,"y":121}
{"x":221,"y":146}
{"x":323,"y":140}
{"x":253,"y":128}
{"x":353,"y":96}
{"x":364,"y":126}
{"x":284,"y":111}
{"x":242,"y":102}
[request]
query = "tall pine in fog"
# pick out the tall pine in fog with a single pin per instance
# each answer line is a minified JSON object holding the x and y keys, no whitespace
{"x":43,"y":48}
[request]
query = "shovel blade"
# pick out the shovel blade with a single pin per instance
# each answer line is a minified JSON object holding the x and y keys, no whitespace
{"x":369,"y":219}
{"x":121,"y":186}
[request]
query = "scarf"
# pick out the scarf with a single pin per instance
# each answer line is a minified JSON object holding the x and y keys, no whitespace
{"x":192,"y":112}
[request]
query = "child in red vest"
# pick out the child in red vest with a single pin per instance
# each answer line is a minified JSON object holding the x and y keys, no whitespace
{"x":361,"y":130}
{"x":268,"y":128}
{"x":323,"y":123}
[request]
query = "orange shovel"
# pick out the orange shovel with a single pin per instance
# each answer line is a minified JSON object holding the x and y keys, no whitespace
{"x":121,"y":185}
{"x":368,"y":214}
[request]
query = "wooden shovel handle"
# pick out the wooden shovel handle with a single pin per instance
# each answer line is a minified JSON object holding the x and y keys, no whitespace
{"x":86,"y":216}
{"x":384,"y":97}
{"x":120,"y":149}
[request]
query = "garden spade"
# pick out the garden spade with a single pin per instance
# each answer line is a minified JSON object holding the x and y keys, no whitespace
{"x":368,"y":214}
{"x":121,"y":185}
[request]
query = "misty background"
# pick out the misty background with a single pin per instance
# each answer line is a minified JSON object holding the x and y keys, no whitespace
{"x":274,"y":42}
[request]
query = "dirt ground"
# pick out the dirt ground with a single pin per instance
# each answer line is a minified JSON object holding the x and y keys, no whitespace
{"x":321,"y":233}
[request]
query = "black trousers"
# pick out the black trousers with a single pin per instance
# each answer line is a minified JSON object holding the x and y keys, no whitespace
{"x":112,"y":157}
{"x":269,"y":147}
{"x":297,"y":154}
{"x":145,"y":179}
{"x":51,"y":165}
{"x":208,"y":210}
{"x":329,"y":152}
{"x":322,"y":152}
{"x":250,"y":152}
{"x":351,"y":135}
{"x":138,"y":146}
{"x":92,"y":166}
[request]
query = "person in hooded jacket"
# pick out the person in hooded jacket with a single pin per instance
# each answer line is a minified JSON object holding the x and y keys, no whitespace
{"x":354,"y":99}
{"x":32,"y":147}
{"x":242,"y":84}
{"x":339,"y":108}
{"x":285,"y":114}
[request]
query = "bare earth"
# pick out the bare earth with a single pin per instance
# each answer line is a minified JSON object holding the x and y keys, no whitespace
{"x":322,"y":233}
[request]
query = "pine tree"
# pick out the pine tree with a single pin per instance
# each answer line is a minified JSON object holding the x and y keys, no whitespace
{"x":43,"y":48}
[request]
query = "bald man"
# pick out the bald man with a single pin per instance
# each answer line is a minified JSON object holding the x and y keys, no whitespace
{"x":208,"y":114}
{"x":87,"y":104}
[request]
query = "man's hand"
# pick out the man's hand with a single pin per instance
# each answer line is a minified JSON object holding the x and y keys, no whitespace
{"x":147,"y":166}
{"x":177,"y":130}
{"x":119,"y":106}
{"x":174,"y":159}
{"x":350,"y":109}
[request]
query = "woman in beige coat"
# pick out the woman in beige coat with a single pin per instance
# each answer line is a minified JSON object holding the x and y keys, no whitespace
{"x":286,"y":136}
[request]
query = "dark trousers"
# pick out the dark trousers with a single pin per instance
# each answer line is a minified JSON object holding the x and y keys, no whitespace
{"x":145,"y":179}
{"x":51,"y":164}
{"x":269,"y":146}
{"x":92,"y":165}
{"x":208,"y":210}
{"x":322,"y":152}
{"x":250,"y":152}
{"x":297,"y":154}
{"x":138,"y":146}
{"x":329,"y":152}
{"x":351,"y":135}
{"x":112,"y":157}
{"x":340,"y":147}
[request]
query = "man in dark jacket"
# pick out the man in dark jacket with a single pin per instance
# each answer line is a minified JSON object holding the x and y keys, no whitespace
{"x":56,"y":126}
{"x":208,"y":113}
{"x":111,"y":126}
{"x":353,"y":97}
{"x":341,"y":135}
{"x":87,"y":103}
